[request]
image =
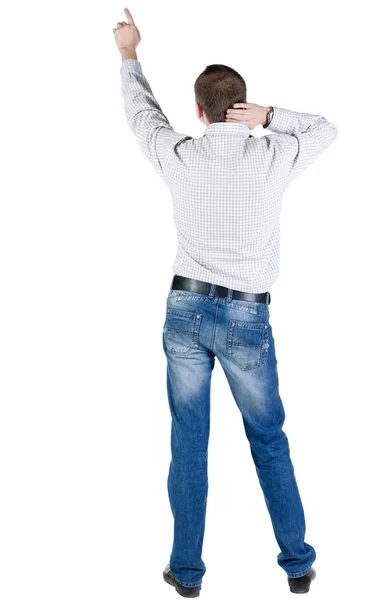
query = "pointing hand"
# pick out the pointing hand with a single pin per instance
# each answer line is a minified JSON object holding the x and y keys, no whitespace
{"x":127,"y":35}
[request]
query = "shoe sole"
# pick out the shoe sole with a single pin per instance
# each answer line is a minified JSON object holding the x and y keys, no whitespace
{"x":180,"y":592}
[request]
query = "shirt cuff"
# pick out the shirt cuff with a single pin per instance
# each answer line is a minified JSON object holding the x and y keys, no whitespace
{"x":282,"y":120}
{"x":131,"y":65}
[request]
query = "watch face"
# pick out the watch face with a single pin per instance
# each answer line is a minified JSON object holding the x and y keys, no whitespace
{"x":269,"y":117}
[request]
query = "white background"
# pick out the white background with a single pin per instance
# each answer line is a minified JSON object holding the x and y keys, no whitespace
{"x":87,"y":243}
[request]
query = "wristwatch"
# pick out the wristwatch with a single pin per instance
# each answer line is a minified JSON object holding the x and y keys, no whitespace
{"x":269,"y":116}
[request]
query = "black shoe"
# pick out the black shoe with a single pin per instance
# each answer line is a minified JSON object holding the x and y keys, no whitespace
{"x":301,"y":585}
{"x":187,"y":592}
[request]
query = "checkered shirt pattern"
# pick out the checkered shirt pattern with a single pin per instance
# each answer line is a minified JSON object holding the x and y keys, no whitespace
{"x":226,"y":186}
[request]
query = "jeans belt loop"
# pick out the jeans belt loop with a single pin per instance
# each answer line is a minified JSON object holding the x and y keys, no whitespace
{"x":212,"y":289}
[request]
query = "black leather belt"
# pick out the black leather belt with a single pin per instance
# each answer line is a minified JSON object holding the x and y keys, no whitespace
{"x":202,"y":287}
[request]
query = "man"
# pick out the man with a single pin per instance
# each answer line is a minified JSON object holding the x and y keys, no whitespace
{"x":226,"y":188}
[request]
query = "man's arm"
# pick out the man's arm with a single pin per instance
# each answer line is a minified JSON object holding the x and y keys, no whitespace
{"x":301,"y":136}
{"x":304,"y":136}
{"x":155,"y":135}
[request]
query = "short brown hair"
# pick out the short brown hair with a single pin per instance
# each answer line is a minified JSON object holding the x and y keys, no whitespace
{"x":217,"y":88}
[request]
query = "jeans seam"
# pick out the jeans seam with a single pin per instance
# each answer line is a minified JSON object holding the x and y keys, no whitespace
{"x":187,"y":584}
{"x":300,"y":573}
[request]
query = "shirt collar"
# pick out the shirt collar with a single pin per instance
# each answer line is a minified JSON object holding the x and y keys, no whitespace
{"x":224,"y":128}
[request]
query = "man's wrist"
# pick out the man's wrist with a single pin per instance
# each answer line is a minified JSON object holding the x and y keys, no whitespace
{"x":269,"y":111}
{"x":128,"y":53}
{"x":265,"y":115}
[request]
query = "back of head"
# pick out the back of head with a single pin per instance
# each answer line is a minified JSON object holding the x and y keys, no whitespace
{"x":217,"y":88}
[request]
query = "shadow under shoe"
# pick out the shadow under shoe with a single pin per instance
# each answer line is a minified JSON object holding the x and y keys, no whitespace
{"x":186,"y":592}
{"x":301,"y":585}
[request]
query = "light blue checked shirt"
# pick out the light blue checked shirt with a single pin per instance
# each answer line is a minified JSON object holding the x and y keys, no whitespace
{"x":226,"y":186}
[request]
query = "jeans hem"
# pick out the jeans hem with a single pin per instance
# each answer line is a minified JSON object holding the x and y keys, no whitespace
{"x":300,"y":573}
{"x":186,"y":584}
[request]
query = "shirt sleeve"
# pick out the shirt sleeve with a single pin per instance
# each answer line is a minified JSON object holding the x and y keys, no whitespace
{"x":156,"y":137}
{"x":302,"y":137}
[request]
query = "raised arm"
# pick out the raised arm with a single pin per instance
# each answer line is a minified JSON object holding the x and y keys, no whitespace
{"x":155,"y":135}
{"x":305,"y":137}
{"x":301,"y":136}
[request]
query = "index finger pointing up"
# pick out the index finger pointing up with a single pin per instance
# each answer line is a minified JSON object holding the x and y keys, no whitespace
{"x":129,"y":17}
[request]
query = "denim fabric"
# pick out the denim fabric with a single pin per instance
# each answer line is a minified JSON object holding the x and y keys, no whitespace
{"x":198,"y":328}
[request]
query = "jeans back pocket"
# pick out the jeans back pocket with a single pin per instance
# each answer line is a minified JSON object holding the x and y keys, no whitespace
{"x":181,"y":330}
{"x":247,"y":343}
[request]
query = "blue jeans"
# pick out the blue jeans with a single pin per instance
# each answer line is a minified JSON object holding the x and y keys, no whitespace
{"x":198,"y":328}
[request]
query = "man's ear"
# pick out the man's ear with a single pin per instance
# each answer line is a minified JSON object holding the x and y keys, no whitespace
{"x":199,"y":110}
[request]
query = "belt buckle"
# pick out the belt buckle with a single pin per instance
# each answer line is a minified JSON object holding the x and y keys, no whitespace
{"x":267,"y":298}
